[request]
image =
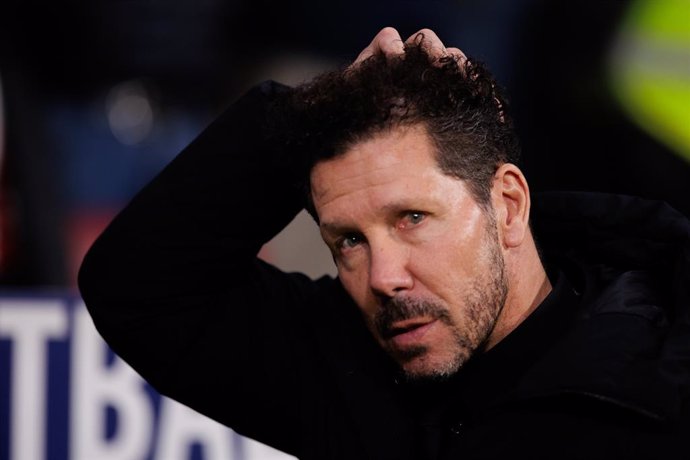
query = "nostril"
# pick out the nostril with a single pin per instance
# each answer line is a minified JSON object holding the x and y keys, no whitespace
{"x":388,"y":288}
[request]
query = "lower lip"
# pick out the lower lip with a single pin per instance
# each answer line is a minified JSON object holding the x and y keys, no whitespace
{"x":412,"y":337}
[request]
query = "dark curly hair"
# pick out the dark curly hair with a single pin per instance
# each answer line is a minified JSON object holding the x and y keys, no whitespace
{"x":459,"y":104}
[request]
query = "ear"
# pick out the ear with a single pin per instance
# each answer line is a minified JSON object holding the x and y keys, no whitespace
{"x":511,"y":200}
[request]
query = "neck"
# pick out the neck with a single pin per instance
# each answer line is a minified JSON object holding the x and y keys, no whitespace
{"x":528,"y":287}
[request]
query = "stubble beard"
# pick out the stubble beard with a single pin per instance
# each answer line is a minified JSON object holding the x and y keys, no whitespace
{"x":482,"y":306}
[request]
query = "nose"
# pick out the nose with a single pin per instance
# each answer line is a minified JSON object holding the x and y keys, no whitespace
{"x":389,"y":270}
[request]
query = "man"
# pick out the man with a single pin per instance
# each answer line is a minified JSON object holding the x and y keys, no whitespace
{"x":446,"y":335}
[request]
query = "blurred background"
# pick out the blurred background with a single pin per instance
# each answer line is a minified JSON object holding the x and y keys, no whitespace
{"x":97,"y":96}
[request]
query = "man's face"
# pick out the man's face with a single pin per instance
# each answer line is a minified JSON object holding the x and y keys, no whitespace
{"x":414,"y":250}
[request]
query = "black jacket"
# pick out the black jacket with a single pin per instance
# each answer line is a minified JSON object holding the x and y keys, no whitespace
{"x":175,"y":288}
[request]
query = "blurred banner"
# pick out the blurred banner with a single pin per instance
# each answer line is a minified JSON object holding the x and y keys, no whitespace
{"x":650,"y":70}
{"x":65,"y":395}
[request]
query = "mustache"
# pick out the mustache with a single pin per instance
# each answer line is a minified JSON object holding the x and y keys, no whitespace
{"x":400,"y":309}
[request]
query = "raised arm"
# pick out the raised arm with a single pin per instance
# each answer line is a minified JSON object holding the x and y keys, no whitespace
{"x":174,"y":285}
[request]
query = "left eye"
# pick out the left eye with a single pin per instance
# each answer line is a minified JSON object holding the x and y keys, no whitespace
{"x":411,"y":219}
{"x":415,"y":217}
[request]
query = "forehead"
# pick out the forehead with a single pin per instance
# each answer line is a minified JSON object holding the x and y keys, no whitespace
{"x":391,"y":155}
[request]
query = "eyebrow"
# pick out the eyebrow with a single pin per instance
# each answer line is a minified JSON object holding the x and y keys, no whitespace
{"x":337,"y":228}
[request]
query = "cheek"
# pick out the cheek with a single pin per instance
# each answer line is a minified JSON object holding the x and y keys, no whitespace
{"x":355,"y":282}
{"x":449,"y":261}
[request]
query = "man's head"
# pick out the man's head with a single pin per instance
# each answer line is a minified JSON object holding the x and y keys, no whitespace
{"x":416,"y":196}
{"x":458,"y":103}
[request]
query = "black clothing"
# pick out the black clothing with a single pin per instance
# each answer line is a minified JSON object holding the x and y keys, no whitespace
{"x":600,"y":370}
{"x":446,"y":410}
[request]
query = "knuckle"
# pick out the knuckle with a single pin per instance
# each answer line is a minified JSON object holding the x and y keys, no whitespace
{"x":388,"y":33}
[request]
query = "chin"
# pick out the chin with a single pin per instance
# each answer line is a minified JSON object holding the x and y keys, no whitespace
{"x":427,"y":367}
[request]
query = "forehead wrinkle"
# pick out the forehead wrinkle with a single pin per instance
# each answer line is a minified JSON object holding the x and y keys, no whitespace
{"x":368,"y":173}
{"x":343,"y":223}
{"x":388,"y":155}
{"x":397,"y":169}
{"x":367,"y":200}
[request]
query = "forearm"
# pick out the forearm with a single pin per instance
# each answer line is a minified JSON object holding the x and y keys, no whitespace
{"x":189,"y":239}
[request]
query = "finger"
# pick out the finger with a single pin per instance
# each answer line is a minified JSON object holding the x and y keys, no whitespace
{"x":429,"y":41}
{"x":387,"y":42}
{"x":457,"y":55}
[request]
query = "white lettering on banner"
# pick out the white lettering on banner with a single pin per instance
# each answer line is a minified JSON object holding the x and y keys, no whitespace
{"x":96,"y":386}
{"x":30,"y":325}
{"x":181,"y":427}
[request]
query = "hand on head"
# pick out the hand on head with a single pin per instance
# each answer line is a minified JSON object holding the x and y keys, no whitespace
{"x":389,"y":43}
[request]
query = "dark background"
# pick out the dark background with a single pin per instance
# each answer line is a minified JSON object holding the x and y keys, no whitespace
{"x":67,"y":67}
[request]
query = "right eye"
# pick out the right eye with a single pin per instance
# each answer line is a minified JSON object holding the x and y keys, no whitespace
{"x":349,"y":241}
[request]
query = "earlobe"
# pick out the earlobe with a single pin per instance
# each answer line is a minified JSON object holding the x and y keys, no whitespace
{"x":512,"y":204}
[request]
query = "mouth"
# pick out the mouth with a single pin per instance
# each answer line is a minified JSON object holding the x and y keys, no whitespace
{"x":409,"y":332}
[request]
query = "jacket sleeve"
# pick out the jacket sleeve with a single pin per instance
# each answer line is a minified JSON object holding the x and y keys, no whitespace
{"x":175,"y":288}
